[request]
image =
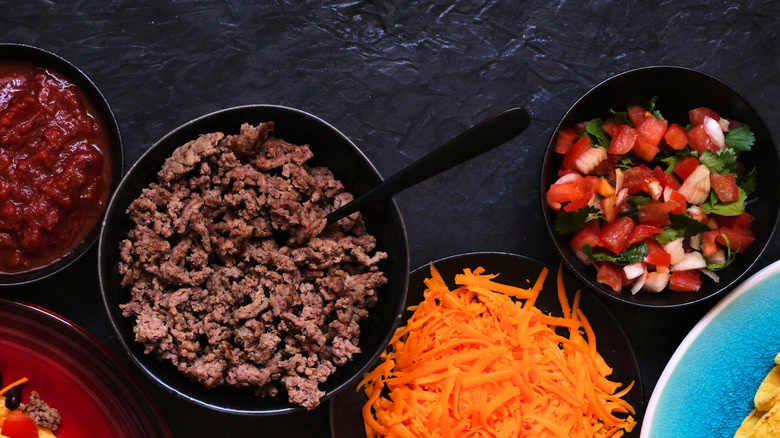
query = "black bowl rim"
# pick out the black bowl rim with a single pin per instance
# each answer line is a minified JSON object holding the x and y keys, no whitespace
{"x":56,"y":62}
{"x":548,"y":219}
{"x":160,"y":382}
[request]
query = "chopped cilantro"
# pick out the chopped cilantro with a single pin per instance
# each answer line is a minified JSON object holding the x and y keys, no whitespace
{"x":713,"y":205}
{"x":620,"y":115}
{"x":687,"y":225}
{"x":633,"y":213}
{"x":724,"y":161}
{"x":596,"y":133}
{"x":651,"y":107}
{"x":638,"y":200}
{"x":748,"y":182}
{"x":567,"y":222}
{"x":624,"y":163}
{"x":669,"y":234}
{"x":635,"y":253}
{"x":682,"y":225}
{"x":740,"y":138}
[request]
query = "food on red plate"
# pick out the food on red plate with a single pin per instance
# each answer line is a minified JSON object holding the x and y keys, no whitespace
{"x":53,"y":178}
{"x":235,"y":276}
{"x":483,"y":360}
{"x":654,"y":204}
{"x":34,"y":419}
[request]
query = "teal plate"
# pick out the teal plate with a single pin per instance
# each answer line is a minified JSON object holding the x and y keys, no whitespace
{"x":707,"y":388}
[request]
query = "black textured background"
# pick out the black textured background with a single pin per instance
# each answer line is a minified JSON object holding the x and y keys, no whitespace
{"x":398,"y":79}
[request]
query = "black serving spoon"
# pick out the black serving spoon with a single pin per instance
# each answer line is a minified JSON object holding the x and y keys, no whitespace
{"x":475,"y":141}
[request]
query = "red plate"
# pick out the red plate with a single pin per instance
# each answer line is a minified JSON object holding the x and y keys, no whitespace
{"x":73,"y":372}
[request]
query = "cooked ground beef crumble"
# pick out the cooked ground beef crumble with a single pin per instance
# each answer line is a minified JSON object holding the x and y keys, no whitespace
{"x":233,"y":274}
{"x":42,"y":414}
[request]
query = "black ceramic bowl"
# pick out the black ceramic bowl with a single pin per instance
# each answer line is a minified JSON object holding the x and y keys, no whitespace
{"x":10,"y":52}
{"x":331,"y":149}
{"x":679,"y":90}
{"x":346,"y":420}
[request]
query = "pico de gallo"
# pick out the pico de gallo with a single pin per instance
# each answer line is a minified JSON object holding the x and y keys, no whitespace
{"x":34,"y":419}
{"x":652,"y":203}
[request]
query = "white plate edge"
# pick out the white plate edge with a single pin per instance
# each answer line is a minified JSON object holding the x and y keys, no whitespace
{"x":758,"y":277}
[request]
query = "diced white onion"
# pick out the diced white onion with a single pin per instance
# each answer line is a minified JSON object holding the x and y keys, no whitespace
{"x":724,"y":124}
{"x":634,"y":270}
{"x":676,"y":250}
{"x":715,"y":132}
{"x":696,"y":187}
{"x":695,"y":241}
{"x":638,"y":283}
{"x":709,"y":273}
{"x":718,"y":258}
{"x":692,"y":260}
{"x":569,"y":177}
{"x":655,"y":282}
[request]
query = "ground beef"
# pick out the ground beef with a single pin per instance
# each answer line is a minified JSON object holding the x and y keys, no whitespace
{"x":42,"y":414}
{"x":235,"y":277}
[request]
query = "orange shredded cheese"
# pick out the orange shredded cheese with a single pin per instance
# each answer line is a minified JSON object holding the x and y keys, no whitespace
{"x":480,"y":362}
{"x":12,"y":385}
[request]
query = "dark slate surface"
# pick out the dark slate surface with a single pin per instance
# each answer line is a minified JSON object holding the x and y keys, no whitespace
{"x":398,"y":79}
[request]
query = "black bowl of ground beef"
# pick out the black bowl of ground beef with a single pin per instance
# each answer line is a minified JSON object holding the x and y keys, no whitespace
{"x":221,"y":278}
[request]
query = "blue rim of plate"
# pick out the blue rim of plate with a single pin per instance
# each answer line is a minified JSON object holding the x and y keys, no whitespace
{"x":707,"y":387}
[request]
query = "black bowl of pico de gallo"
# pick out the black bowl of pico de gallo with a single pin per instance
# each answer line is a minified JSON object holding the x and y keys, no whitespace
{"x":60,"y":159}
{"x":658,"y":187}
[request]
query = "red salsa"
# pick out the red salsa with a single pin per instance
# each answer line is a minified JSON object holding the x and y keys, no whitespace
{"x":55,"y":167}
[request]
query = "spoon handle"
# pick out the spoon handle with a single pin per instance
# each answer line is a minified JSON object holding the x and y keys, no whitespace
{"x":478,"y":139}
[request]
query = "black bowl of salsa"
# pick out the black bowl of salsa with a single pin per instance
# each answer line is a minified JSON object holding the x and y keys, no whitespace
{"x":679,"y":90}
{"x":61,"y":158}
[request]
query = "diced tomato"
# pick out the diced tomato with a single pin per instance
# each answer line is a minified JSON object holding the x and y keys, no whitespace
{"x":685,"y":167}
{"x":739,"y":238}
{"x":565,"y":140}
{"x":676,"y":137}
{"x":644,"y":148}
{"x":656,"y":255}
{"x":578,"y":203}
{"x":614,"y":234}
{"x":586,"y":236}
{"x":636,"y":114}
{"x":633,"y":178}
{"x":708,"y":246}
{"x":697,"y":115}
{"x":608,"y":208}
{"x":656,"y":214}
{"x":700,"y":141}
{"x":18,"y":425}
{"x":573,"y":190}
{"x":580,"y":147}
{"x":623,"y":140}
{"x":611,"y":125}
{"x":679,"y":198}
{"x":724,"y":186}
{"x":592,"y":183}
{"x":666,"y":179}
{"x":642,"y":232}
{"x":744,"y":220}
{"x":652,"y":129}
{"x":610,"y":274}
{"x":685,"y":281}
